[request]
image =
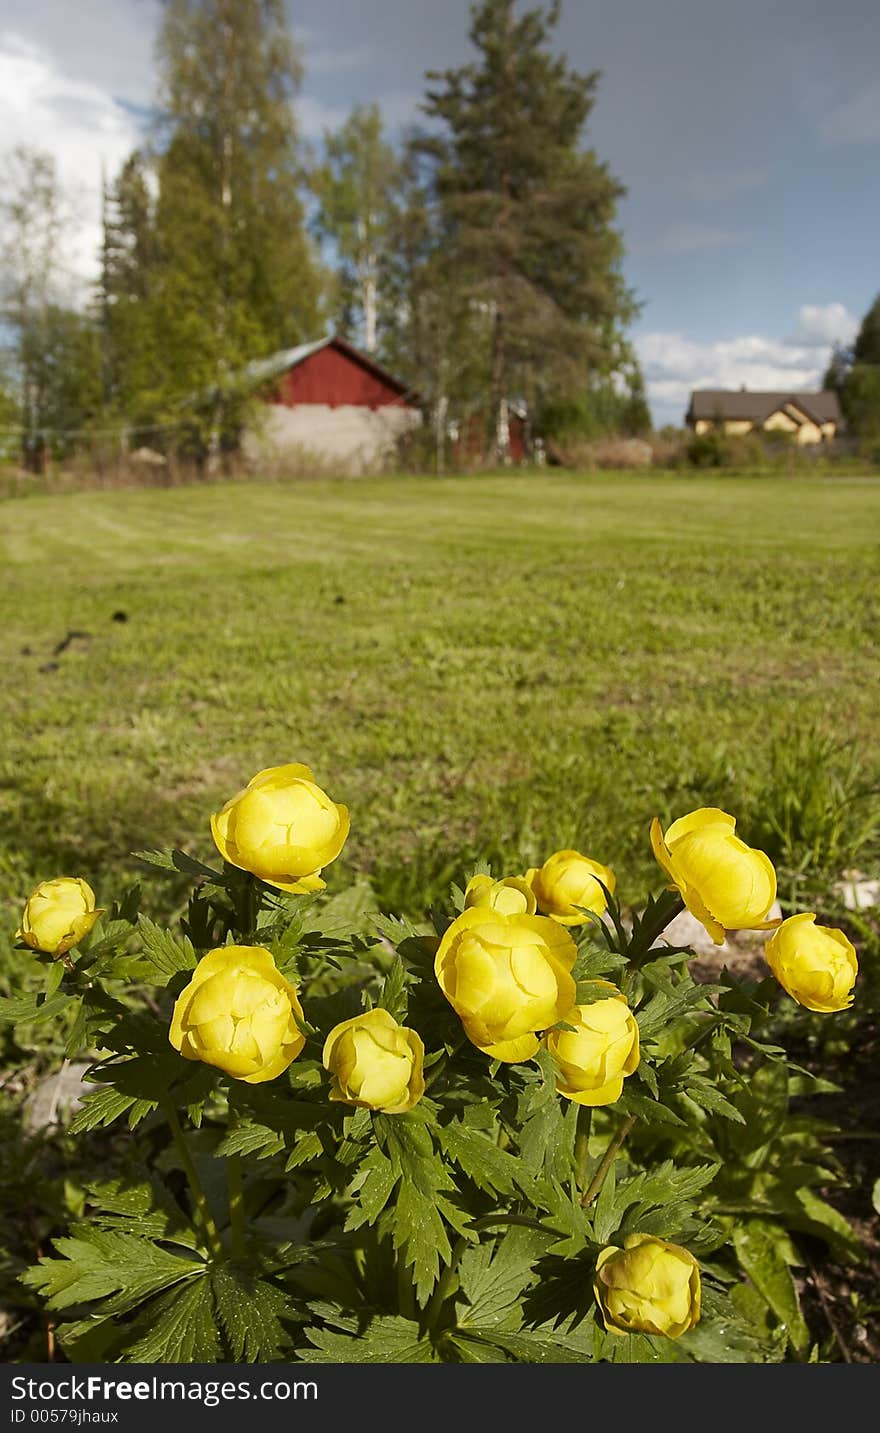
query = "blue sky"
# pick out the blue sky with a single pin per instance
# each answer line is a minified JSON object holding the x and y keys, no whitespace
{"x":747,"y":136}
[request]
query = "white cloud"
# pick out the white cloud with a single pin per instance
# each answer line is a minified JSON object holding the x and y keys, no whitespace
{"x":823,"y":324}
{"x":78,"y":122}
{"x":857,"y":121}
{"x":717,"y":186}
{"x":674,"y":365}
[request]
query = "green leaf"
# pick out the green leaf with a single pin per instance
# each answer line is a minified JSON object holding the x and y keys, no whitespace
{"x":394,"y":991}
{"x":491,"y":1169}
{"x":493,"y":1276}
{"x":531,"y":1346}
{"x":250,"y":1312}
{"x":373,"y":1185}
{"x":150,"y":1206}
{"x":709,"y":1097}
{"x":385,"y":1340}
{"x":100,"y":1109}
{"x":248,"y":1137}
{"x":416,"y":1222}
{"x":32,"y":1009}
{"x":94,"y":1263}
{"x":181,"y":1327}
{"x":761,"y":1250}
{"x":165,"y":955}
{"x":178,"y":860}
{"x":724,"y":1336}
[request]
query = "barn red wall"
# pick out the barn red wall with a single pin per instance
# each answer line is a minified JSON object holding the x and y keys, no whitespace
{"x":329,"y":376}
{"x":468,"y":447}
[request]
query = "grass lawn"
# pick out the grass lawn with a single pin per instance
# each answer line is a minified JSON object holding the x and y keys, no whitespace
{"x":496,"y":667}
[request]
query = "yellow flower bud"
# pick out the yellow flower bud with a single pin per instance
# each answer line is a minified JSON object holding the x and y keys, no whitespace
{"x":283,"y":828}
{"x":593,"y":1058}
{"x":726,"y":884}
{"x":375,"y":1063}
{"x":58,"y":914}
{"x":506,"y":977}
{"x":648,"y":1286}
{"x":239,"y":1014}
{"x":566,"y":881}
{"x":815,"y":964}
{"x":512,"y":897}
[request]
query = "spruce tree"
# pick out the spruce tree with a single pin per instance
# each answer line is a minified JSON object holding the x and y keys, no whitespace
{"x":529,"y":212}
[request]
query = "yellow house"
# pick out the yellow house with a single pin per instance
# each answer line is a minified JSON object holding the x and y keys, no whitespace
{"x":808,"y":417}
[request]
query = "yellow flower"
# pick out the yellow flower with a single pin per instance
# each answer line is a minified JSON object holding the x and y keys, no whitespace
{"x":375,"y":1063}
{"x":593,"y":1058}
{"x":568,"y":880}
{"x":239,"y":1014}
{"x":58,"y":914}
{"x":815,"y":964}
{"x":725,"y":883}
{"x":512,"y":897}
{"x":283,"y":828}
{"x":648,"y":1286}
{"x":506,"y":976}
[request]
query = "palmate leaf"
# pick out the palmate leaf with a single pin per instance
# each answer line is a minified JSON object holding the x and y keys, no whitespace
{"x":372,"y":1186}
{"x":32,"y":1009}
{"x":724,"y":1336}
{"x":416,"y":1220}
{"x":492,"y":1277}
{"x":94,"y":1263}
{"x":384,"y":1340}
{"x":529,"y":1345}
{"x":116,"y":1204}
{"x":658,"y":1202}
{"x":250,"y":1312}
{"x":106,"y":1105}
{"x":180,"y":1327}
{"x":163,"y":953}
{"x":491,"y":1169}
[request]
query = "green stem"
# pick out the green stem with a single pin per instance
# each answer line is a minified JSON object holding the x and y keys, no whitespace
{"x":235,"y":1187}
{"x":582,"y":1143}
{"x":212,"y":1238}
{"x":248,"y":905}
{"x":607,"y":1160}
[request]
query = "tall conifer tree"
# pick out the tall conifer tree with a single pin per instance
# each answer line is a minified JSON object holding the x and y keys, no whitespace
{"x":529,"y":223}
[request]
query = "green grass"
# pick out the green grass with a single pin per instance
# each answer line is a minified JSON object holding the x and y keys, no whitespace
{"x":494,"y":667}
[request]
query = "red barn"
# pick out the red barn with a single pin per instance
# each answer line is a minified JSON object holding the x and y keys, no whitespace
{"x":329,"y":402}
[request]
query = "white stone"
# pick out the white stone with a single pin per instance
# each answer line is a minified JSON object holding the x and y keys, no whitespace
{"x":858,"y":894}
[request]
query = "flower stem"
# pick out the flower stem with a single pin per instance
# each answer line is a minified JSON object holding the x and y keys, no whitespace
{"x":209,"y":1228}
{"x":236,"y":1205}
{"x":582,"y":1143}
{"x":607,"y":1160}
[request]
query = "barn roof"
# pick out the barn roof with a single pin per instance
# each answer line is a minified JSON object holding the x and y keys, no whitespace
{"x":755,"y":406}
{"x":262,"y":370}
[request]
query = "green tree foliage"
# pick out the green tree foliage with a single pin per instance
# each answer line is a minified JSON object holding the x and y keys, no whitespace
{"x":355,"y":186}
{"x":236,"y":277}
{"x":129,"y":267}
{"x":527,"y":212}
{"x":854,"y":374}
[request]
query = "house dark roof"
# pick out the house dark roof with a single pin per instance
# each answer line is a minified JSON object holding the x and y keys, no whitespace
{"x":755,"y":407}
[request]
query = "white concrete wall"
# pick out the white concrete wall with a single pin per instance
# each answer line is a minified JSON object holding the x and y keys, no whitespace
{"x":347,"y":438}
